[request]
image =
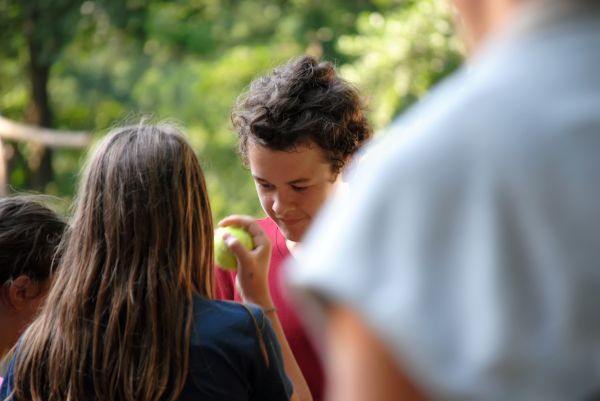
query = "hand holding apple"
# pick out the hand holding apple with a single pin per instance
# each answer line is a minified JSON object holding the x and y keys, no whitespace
{"x":253,"y":269}
{"x":224,"y":257}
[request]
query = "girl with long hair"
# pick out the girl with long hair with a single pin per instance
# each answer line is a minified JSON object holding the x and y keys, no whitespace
{"x":130,"y":315}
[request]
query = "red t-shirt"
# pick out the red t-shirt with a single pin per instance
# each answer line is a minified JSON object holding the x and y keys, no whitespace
{"x":303,"y":350}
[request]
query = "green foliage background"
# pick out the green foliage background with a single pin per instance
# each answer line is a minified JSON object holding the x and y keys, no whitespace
{"x":112,"y":61}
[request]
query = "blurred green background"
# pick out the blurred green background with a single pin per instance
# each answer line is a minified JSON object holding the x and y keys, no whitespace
{"x":88,"y":65}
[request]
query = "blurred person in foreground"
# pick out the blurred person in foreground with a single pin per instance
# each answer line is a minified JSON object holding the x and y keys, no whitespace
{"x":298,"y":127}
{"x":464,"y":264}
{"x":29,"y":237}
{"x":130,"y":314}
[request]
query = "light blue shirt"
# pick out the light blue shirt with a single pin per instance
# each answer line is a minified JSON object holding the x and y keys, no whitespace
{"x":469,"y":239}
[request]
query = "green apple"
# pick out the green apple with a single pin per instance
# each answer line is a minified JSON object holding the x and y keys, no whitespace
{"x":223,"y":256}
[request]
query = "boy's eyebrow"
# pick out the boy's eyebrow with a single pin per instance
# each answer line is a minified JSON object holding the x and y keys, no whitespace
{"x":298,"y":181}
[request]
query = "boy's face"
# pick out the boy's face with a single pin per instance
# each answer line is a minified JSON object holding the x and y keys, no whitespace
{"x":291,"y":185}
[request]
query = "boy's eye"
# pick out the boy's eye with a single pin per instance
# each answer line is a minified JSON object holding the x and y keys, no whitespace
{"x":264,"y":185}
{"x":298,"y":189}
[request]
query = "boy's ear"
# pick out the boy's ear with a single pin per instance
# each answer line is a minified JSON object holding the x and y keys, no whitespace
{"x":21,"y":291}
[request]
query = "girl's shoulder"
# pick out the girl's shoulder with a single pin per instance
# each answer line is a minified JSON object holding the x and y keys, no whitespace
{"x":226,"y":319}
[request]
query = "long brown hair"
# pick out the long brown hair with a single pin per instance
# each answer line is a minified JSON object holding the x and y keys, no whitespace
{"x":118,"y":320}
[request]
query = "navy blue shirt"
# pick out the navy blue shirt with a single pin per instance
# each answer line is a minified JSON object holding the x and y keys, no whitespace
{"x":227,"y":360}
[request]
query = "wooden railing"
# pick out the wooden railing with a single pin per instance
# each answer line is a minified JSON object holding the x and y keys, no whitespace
{"x":10,"y":130}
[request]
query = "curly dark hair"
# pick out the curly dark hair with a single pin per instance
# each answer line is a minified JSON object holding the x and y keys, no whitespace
{"x":300,"y":102}
{"x":29,"y":237}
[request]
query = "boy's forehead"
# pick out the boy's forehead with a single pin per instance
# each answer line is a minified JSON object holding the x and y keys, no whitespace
{"x":301,"y":163}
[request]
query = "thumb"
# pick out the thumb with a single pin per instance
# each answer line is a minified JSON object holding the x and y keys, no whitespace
{"x":241,"y":253}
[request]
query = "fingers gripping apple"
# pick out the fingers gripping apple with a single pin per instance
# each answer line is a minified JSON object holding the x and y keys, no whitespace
{"x":224,"y":257}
